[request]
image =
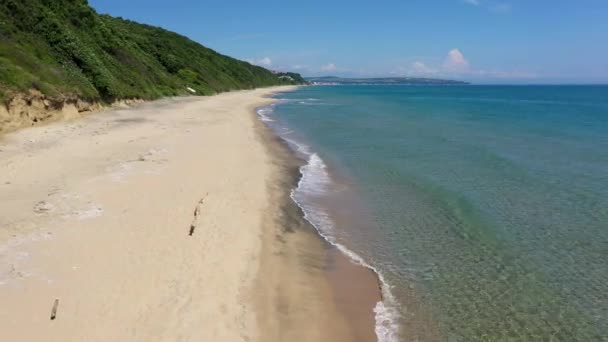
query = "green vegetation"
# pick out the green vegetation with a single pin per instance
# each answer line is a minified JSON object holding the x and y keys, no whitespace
{"x":293,"y":77}
{"x":64,"y":48}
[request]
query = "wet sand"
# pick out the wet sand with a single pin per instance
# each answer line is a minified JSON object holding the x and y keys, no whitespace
{"x":346,"y":208}
{"x":169,"y":221}
{"x":325,"y":297}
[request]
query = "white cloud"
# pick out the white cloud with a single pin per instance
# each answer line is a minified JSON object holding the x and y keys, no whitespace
{"x":492,"y":6}
{"x":419,"y":68}
{"x":415,"y":69}
{"x":504,"y":74}
{"x":455,"y":62}
{"x":329,"y":67}
{"x":455,"y":65}
{"x":265,"y":62}
{"x":501,"y":8}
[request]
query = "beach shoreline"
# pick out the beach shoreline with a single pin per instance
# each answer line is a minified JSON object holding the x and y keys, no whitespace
{"x":168,"y":221}
{"x":330,"y":293}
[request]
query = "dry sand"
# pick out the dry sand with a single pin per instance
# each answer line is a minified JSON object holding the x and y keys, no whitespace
{"x":165,"y":222}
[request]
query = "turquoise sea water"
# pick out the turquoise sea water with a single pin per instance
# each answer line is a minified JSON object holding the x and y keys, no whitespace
{"x":488,"y":205}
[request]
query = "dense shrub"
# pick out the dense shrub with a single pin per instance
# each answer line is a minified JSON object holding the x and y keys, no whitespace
{"x":65,"y":47}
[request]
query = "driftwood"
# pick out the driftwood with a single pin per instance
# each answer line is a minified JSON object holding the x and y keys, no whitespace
{"x":197,"y":212}
{"x":54,"y":310}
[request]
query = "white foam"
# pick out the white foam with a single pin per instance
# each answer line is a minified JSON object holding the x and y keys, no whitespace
{"x":298,"y":147}
{"x":314,"y":181}
{"x":386,"y":327}
{"x":286,"y":131}
{"x":264,"y":112}
{"x":315,"y":178}
{"x":296,"y":100}
{"x":311,"y":103}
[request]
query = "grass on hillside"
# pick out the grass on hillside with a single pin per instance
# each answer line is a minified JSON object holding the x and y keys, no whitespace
{"x":63,"y":47}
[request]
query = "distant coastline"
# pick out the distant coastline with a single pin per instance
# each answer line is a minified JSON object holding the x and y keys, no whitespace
{"x":333,"y":80}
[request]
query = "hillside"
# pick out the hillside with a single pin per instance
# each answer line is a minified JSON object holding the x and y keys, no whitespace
{"x":60,"y":49}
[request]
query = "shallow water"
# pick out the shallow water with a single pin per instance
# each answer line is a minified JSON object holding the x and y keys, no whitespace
{"x":483,"y":208}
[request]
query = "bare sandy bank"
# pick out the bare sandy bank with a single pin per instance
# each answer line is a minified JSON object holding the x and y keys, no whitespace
{"x":32,"y":108}
{"x":161,"y":223}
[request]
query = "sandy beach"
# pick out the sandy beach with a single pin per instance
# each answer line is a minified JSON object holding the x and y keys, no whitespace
{"x":169,"y":221}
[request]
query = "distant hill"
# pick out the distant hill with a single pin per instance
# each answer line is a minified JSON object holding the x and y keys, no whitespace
{"x":63,"y":48}
{"x":291,"y":77}
{"x":383,"y":81}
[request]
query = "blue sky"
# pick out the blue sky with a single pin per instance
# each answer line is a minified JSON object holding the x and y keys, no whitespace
{"x":485,"y":41}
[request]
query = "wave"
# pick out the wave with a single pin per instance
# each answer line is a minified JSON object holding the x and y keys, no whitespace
{"x":314,"y":182}
{"x":296,"y":100}
{"x":263,"y":114}
{"x":312,"y":103}
{"x":306,"y":102}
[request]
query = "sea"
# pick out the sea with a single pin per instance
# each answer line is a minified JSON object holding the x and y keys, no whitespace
{"x":483,"y":209}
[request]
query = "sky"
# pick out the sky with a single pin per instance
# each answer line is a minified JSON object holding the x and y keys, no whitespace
{"x":483,"y":41}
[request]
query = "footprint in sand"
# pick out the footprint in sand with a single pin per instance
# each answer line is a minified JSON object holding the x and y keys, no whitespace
{"x":122,"y":170}
{"x":43,"y":207}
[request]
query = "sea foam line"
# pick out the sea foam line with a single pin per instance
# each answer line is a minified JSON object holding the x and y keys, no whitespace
{"x":313,"y":182}
{"x":314,"y":179}
{"x":263,"y":114}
